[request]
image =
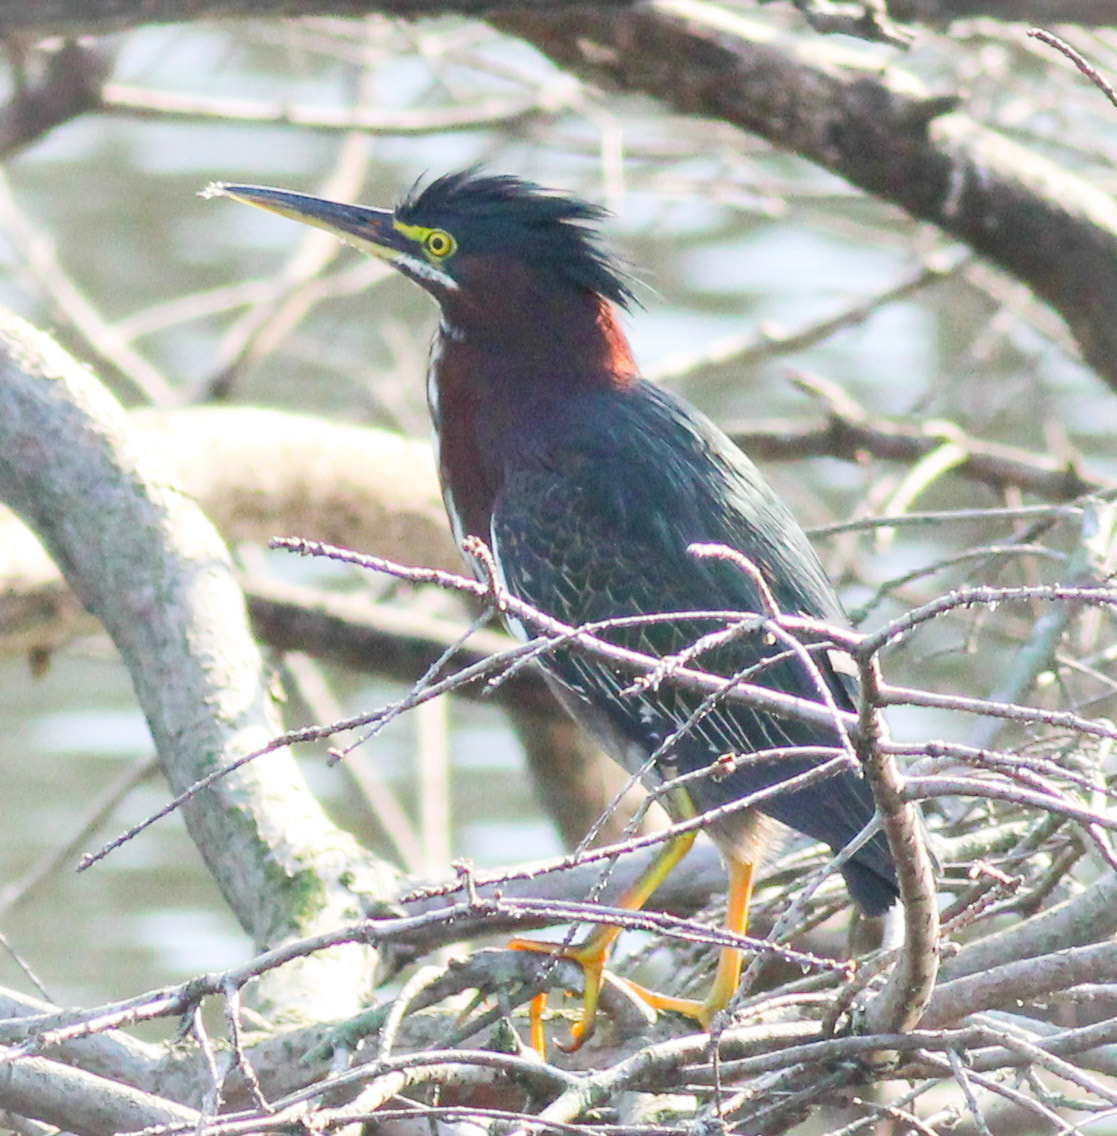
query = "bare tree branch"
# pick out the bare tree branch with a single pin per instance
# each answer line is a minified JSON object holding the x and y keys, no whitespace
{"x":151,"y":567}
{"x":849,"y":430}
{"x":901,"y":1003}
{"x":936,"y":13}
{"x":98,"y":17}
{"x":880,"y":130}
{"x":81,"y":1102}
{"x":1016,"y":982}
{"x":143,"y":103}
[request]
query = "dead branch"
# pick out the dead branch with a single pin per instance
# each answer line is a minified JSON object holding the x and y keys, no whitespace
{"x":882,"y":131}
{"x":900,"y":1005}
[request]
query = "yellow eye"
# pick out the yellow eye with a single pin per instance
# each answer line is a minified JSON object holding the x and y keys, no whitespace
{"x":439,"y":243}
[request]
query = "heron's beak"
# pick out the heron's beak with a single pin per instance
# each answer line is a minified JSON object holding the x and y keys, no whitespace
{"x":372,"y":231}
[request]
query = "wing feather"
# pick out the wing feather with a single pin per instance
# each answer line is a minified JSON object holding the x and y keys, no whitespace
{"x":605,"y":534}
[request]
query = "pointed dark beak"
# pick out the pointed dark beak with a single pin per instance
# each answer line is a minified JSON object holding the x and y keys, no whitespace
{"x":372,"y":231}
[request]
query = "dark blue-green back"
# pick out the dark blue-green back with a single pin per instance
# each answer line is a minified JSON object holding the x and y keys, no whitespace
{"x":601,"y":499}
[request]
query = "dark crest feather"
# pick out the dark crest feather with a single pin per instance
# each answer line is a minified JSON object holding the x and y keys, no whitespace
{"x":556,"y":232}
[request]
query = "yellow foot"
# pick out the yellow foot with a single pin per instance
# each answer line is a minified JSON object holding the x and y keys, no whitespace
{"x":728,"y":975}
{"x":701,"y":1012}
{"x":591,"y":958}
{"x":592,"y":955}
{"x":595,"y":976}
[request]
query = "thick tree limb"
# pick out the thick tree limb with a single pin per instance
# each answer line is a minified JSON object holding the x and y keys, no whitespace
{"x":880,"y":130}
{"x":1087,"y":13}
{"x":1087,"y":918}
{"x":99,"y":17}
{"x":143,"y":558}
{"x":255,"y":473}
{"x":1020,"y":981}
{"x":81,"y":1102}
{"x":901,"y":1003}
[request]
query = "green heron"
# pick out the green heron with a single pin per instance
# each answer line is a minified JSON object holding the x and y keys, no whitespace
{"x":591,"y":485}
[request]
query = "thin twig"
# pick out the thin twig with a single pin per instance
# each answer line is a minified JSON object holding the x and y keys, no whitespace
{"x":1083,"y":65}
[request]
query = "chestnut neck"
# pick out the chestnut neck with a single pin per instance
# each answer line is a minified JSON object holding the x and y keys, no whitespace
{"x":507,"y":375}
{"x":530,"y":333}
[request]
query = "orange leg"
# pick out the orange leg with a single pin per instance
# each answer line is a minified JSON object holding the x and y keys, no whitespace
{"x":594,"y":952}
{"x":538,"y":1035}
{"x":728,"y":974}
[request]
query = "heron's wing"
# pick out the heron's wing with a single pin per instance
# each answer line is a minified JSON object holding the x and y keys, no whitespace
{"x":606,"y":536}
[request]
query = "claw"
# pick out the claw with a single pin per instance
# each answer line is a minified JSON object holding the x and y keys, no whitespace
{"x":590,"y":956}
{"x":593,"y":969}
